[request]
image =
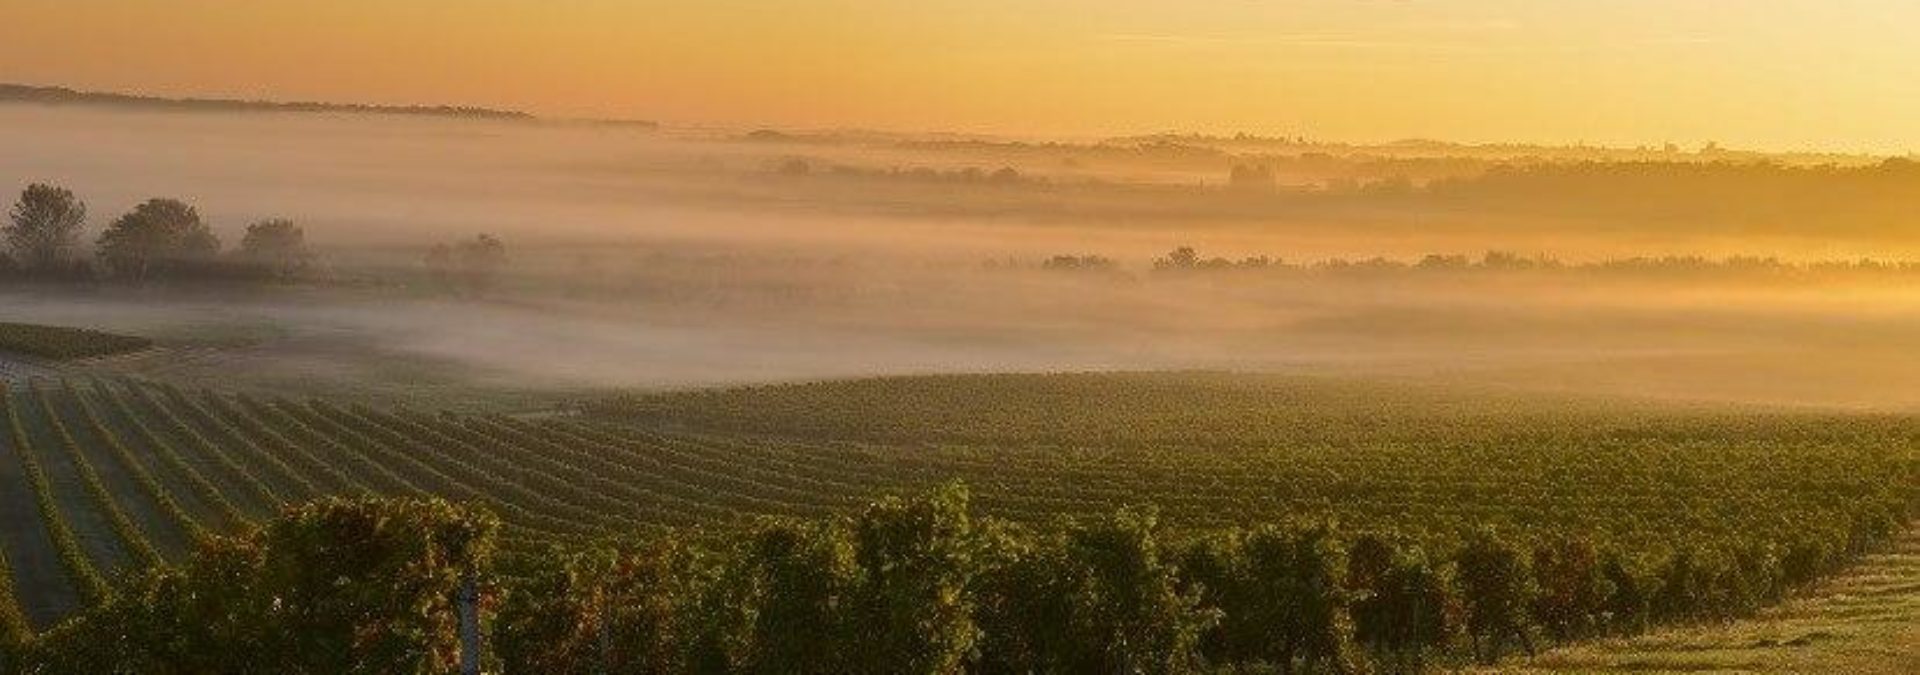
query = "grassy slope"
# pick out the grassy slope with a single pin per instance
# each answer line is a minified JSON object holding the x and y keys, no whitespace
{"x":61,"y":343}
{"x":1864,"y":622}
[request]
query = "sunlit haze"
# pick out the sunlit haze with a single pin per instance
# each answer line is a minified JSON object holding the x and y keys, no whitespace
{"x":1769,"y":74}
{"x":960,"y":337}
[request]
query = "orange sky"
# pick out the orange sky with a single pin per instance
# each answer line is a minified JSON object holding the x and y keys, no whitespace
{"x":1784,"y":74}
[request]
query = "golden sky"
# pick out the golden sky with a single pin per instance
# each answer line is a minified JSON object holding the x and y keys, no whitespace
{"x":1781,"y":74}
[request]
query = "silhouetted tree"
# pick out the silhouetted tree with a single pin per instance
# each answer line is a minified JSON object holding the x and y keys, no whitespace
{"x":1080,"y":263}
{"x":470,"y":265}
{"x":1182,"y":258}
{"x":479,"y":260}
{"x":158,"y":238}
{"x":44,"y":228}
{"x":277,"y":247}
{"x":795,"y":166}
{"x":439,"y":262}
{"x":1251,"y":177}
{"x":1436,"y":261}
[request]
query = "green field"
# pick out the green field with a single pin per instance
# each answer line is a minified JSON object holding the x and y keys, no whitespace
{"x":102,"y":478}
{"x":60,"y":343}
{"x":1211,"y":449}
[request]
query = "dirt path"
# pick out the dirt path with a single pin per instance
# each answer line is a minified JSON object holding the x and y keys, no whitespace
{"x":1864,"y":622}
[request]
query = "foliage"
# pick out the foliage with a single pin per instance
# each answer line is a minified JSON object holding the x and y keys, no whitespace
{"x":159,"y":238}
{"x":914,"y":560}
{"x":604,"y":611}
{"x":277,"y":248}
{"x":331,"y":587}
{"x":43,"y":228}
{"x":906,"y":586}
{"x":1025,"y":592}
{"x":1128,"y":612}
{"x":1495,"y":587}
{"x":803,"y":573}
{"x":663,"y":549}
{"x":1214,"y":450}
{"x":1571,"y":589}
{"x":15,"y":632}
{"x":1403,"y":608}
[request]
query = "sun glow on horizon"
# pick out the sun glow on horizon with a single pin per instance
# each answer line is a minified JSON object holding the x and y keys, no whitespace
{"x":1785,"y":74}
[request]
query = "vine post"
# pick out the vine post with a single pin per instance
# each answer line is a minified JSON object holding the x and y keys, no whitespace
{"x":467,"y":602}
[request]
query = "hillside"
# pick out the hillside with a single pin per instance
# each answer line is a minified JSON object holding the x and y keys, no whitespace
{"x":99,"y":478}
{"x":21,"y":93}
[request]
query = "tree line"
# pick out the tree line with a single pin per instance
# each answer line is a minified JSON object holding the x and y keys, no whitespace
{"x":160,"y":239}
{"x":902,"y":586}
{"x":165,"y":239}
{"x":1185,"y":260}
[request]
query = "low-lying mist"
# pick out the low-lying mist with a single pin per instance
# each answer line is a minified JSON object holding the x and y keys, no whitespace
{"x":701,"y":257}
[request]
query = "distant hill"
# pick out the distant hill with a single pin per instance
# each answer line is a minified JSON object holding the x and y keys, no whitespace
{"x":20,"y":93}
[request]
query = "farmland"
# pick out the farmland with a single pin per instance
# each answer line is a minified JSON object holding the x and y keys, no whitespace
{"x":1212,"y":449}
{"x":59,"y":343}
{"x":862,"y":338}
{"x":104,"y":478}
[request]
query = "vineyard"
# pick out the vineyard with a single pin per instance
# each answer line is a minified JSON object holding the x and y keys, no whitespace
{"x":61,"y":343}
{"x":103,"y":479}
{"x":1223,"y":450}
